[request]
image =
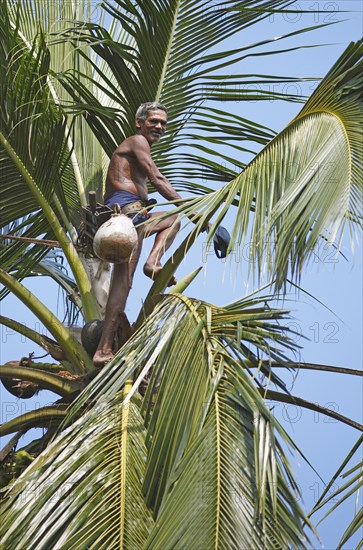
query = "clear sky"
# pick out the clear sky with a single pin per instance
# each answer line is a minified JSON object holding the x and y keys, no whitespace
{"x":334,"y":331}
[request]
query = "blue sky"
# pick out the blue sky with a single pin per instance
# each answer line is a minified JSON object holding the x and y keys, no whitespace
{"x":334,"y":331}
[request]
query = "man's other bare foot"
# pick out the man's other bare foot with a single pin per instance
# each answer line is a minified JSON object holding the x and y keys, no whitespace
{"x":153,"y":271}
{"x":100,"y":359}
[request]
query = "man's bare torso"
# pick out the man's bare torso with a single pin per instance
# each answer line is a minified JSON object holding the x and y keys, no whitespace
{"x":125,"y":173}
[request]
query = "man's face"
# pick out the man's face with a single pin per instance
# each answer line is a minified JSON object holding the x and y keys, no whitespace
{"x":153,"y":127}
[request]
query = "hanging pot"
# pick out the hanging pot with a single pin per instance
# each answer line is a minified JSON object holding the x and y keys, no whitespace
{"x":116,"y":239}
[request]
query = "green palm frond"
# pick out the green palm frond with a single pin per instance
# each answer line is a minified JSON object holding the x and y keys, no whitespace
{"x":351,"y":487}
{"x":305,"y":185}
{"x":17,"y":257}
{"x":205,"y":442}
{"x":167,"y":54}
{"x":53,"y":17}
{"x":99,"y":503}
{"x":28,"y":113}
{"x":308,"y":182}
{"x":205,"y":358}
{"x":229,"y":489}
{"x":167,"y":321}
{"x":73,"y":351}
{"x":34,"y":156}
{"x":31,"y":122}
{"x":32,"y":126}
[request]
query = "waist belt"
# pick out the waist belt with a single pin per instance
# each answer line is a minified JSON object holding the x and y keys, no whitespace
{"x":137,"y":207}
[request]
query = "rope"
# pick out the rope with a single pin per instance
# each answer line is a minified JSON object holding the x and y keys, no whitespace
{"x":43,"y":242}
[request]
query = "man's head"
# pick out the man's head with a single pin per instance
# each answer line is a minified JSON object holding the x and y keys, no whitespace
{"x":151,"y":121}
{"x":145,"y":108}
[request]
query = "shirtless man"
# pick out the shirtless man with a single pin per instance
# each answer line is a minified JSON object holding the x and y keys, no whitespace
{"x":131,"y":167}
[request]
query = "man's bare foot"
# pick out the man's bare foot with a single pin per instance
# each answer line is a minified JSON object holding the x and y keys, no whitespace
{"x":100,"y":359}
{"x":153,"y":271}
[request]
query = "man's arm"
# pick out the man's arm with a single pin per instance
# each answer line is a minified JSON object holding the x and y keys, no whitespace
{"x":141,"y":150}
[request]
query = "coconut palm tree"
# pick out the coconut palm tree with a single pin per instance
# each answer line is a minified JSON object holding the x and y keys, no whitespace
{"x":196,"y":459}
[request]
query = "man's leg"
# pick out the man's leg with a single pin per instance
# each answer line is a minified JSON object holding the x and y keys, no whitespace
{"x":119,"y":290}
{"x":136,"y":255}
{"x":120,"y":287}
{"x":166,"y":231}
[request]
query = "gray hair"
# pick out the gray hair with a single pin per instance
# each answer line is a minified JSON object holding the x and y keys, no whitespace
{"x":144,"y":109}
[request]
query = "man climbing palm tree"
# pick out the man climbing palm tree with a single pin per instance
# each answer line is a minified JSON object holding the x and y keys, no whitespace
{"x":131,"y":167}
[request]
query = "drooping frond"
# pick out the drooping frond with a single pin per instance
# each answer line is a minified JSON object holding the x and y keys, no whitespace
{"x":229,"y":490}
{"x":31,"y":124}
{"x":94,"y":471}
{"x":305,"y":186}
{"x":187,"y":389}
{"x":203,"y":440}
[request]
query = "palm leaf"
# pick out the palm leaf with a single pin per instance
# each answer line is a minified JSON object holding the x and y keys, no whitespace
{"x":17,"y":257}
{"x":229,"y":489}
{"x":351,"y":487}
{"x":164,"y":320}
{"x":305,"y":185}
{"x":53,"y":18}
{"x":166,"y":54}
{"x":97,"y":466}
{"x":202,"y":401}
{"x":179,"y":410}
{"x":32,"y":169}
{"x":27,"y":110}
{"x":181,"y":407}
{"x":72,"y":349}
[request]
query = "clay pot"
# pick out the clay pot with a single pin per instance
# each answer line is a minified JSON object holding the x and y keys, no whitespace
{"x":116,"y":239}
